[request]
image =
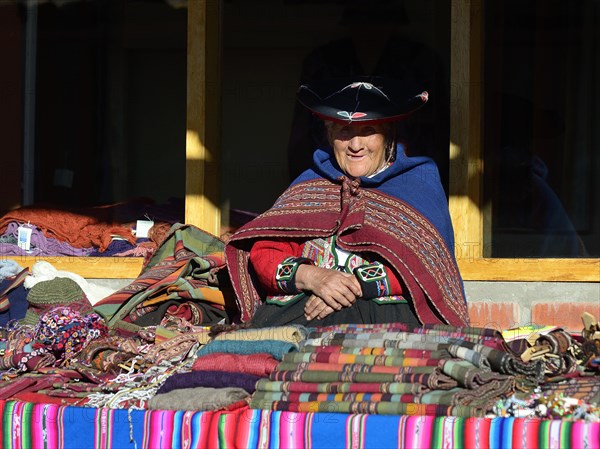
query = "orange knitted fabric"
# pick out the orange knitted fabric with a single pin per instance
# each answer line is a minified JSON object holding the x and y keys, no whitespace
{"x":85,"y":229}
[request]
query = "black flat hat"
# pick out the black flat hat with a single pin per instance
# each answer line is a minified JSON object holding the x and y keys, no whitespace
{"x":361,"y":99}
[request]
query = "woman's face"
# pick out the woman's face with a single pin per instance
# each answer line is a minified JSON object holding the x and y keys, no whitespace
{"x":358,"y":148}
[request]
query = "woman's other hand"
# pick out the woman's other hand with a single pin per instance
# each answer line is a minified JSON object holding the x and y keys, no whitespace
{"x":335,"y":288}
{"x":315,"y":307}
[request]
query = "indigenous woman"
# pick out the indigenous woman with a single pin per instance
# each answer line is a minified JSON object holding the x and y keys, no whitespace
{"x":364,"y":236}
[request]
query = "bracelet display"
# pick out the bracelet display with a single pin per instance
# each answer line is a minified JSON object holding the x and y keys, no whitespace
{"x":286,"y":273}
{"x":373,"y":280}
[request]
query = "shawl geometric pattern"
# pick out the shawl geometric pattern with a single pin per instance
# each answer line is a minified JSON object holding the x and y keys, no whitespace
{"x":27,"y":425}
{"x":364,"y":220}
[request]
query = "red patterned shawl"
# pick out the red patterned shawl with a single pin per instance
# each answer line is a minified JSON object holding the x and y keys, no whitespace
{"x":363,"y":220}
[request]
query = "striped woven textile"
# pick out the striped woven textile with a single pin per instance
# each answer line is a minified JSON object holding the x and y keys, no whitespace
{"x":182,"y":268}
{"x":26,"y":425}
{"x":362,"y":369}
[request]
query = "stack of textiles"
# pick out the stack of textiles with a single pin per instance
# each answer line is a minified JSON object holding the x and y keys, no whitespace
{"x":226,"y":369}
{"x":95,"y":231}
{"x":182,"y":279}
{"x":391,"y":369}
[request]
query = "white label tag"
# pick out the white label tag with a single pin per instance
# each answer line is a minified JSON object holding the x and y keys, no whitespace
{"x":24,"y":238}
{"x":142,"y":227}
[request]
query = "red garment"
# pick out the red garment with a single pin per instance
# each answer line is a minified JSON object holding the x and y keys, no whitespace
{"x":363,"y":220}
{"x":266,"y":255}
{"x":41,"y":398}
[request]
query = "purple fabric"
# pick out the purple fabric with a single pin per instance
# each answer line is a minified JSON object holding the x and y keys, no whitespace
{"x":213,"y":379}
{"x":115,"y":247}
{"x":40,"y":245}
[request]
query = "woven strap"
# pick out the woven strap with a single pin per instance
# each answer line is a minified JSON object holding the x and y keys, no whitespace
{"x":373,"y":280}
{"x":286,"y":273}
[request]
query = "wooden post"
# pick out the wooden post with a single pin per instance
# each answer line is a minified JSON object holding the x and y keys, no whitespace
{"x":466,"y":161}
{"x":203,"y":111}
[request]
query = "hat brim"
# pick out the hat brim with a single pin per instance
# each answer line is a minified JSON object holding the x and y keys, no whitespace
{"x":361,"y":99}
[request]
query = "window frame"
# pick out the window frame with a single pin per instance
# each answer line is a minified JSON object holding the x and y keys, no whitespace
{"x":467,"y":168}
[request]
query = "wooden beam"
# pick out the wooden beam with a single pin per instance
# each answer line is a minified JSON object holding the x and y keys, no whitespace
{"x":203,"y":110}
{"x":533,"y":270}
{"x":89,"y":267}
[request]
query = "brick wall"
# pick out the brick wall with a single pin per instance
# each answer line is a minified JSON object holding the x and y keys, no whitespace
{"x":502,"y":305}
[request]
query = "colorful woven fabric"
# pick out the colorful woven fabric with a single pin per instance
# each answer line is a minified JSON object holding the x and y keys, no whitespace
{"x":333,"y":376}
{"x":27,"y":425}
{"x":468,"y":375}
{"x":489,"y":337}
{"x":484,"y":397}
{"x":65,"y":332}
{"x":452,"y":368}
{"x":266,"y":385}
{"x":183,"y":268}
{"x":583,"y":388}
{"x":404,"y":340}
{"x":340,"y":397}
{"x":366,"y":360}
{"x":368,"y":407}
{"x":385,"y":352}
{"x":505,"y":362}
{"x":353,"y":328}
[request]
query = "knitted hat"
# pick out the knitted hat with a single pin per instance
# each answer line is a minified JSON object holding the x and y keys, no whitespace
{"x":367,"y":99}
{"x":47,"y":295}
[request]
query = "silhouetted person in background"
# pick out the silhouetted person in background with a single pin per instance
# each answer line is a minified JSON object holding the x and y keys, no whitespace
{"x":373,"y":47}
{"x":525,"y":202}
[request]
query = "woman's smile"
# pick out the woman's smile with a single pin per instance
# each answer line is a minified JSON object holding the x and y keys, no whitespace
{"x":359,"y":149}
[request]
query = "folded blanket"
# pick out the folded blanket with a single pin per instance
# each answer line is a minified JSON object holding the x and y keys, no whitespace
{"x":332,"y":376}
{"x":256,"y":364}
{"x":340,"y":397}
{"x":342,"y":387}
{"x":199,"y":398}
{"x":212,"y":379}
{"x":290,"y":334}
{"x":273,"y":347}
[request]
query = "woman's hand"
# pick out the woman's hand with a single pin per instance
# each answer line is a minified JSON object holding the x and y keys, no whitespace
{"x":315,"y":307}
{"x":335,"y":288}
